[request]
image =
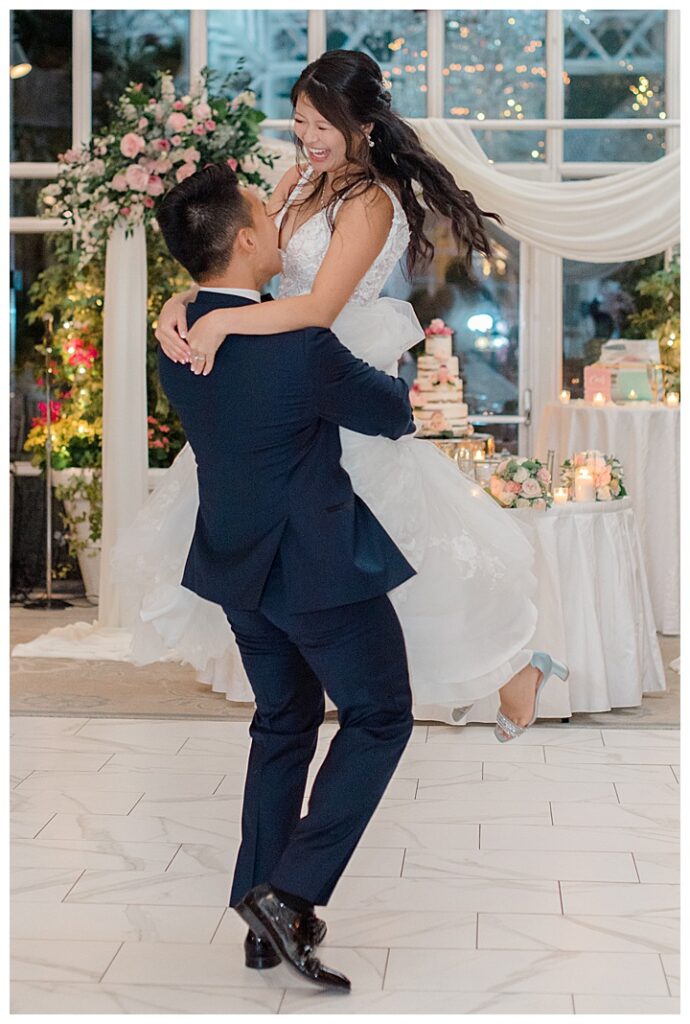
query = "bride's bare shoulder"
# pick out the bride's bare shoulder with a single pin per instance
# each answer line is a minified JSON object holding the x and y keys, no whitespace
{"x":284,"y":188}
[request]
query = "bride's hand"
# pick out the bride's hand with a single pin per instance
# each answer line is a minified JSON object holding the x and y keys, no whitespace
{"x":172,"y":328}
{"x":205,"y":338}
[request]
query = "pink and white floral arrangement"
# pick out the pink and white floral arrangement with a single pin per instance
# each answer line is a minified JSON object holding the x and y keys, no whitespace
{"x":606,"y":470}
{"x":521,"y":483}
{"x":437,"y":326}
{"x":155,"y":140}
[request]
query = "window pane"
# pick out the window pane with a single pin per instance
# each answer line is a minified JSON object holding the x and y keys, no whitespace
{"x":495,"y":67}
{"x":129,"y":46}
{"x":24,"y":196}
{"x":484,"y":316}
{"x":614,"y":67}
{"x":41,"y":115}
{"x":397,"y":42}
{"x":598,"y":299}
{"x":274,"y":45}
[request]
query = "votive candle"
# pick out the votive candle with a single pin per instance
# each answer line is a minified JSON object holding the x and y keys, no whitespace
{"x":560,"y":496}
{"x":632,"y":395}
{"x":672,"y":398}
{"x":564,"y":396}
{"x":584,"y":485}
{"x":479,"y":455}
{"x":599,"y":399}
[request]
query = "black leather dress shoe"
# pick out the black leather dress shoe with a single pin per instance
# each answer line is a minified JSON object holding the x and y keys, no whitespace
{"x":283,"y":929}
{"x":259,"y":954}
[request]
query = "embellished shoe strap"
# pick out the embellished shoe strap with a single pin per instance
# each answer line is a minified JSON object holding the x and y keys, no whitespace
{"x":508,"y":725}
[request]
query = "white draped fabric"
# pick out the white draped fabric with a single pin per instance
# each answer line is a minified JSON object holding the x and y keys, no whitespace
{"x":646,"y":438}
{"x":125,"y":442}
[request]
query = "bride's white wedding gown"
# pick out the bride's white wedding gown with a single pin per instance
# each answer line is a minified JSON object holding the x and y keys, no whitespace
{"x":466,"y":616}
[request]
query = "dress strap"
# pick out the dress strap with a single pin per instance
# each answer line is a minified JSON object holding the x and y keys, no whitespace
{"x":304,"y":178}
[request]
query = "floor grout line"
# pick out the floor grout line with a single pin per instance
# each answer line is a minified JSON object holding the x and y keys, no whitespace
{"x":54,"y":815}
{"x":111,"y":962}
{"x":81,"y":875}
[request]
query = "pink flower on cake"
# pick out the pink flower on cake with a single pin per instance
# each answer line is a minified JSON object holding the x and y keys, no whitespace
{"x":131,"y":145}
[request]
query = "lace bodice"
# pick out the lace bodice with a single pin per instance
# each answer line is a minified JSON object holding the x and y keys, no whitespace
{"x":307,"y":247}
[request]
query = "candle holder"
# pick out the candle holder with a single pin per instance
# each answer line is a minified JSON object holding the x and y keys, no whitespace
{"x":672,"y":399}
{"x":564,"y":396}
{"x":560,"y":496}
{"x":599,"y":399}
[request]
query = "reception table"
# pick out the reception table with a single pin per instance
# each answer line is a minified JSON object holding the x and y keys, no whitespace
{"x":646,"y":439}
{"x":594,"y":609}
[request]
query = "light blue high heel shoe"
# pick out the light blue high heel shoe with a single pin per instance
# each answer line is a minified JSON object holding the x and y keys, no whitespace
{"x":548,"y":666}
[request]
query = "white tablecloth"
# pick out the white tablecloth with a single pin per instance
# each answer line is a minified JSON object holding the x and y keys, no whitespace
{"x":646,"y":438}
{"x":594,"y":609}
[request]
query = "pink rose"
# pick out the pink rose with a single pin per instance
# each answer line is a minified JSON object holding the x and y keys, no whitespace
{"x":178,"y":105}
{"x":210,"y":125}
{"x":138,"y":87}
{"x":152,"y":102}
{"x":143,"y":123}
{"x":162,"y":166}
{"x":232,"y":163}
{"x":512,"y":487}
{"x":163,"y":145}
{"x":131,"y":145}
{"x":191,"y":154}
{"x":137,"y":177}
{"x":119,"y":183}
{"x":184,"y":171}
{"x":199,"y":129}
{"x":603,"y":479}
{"x":155,"y":186}
{"x":531,"y":489}
{"x":543,"y":475}
{"x":202,"y":111}
{"x":126,"y":210}
{"x":176,"y":140}
{"x":496,"y":487}
{"x":148,"y":202}
{"x":177,"y":122}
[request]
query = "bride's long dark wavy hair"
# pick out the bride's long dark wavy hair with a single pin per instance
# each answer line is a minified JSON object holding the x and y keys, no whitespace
{"x":347,"y":88}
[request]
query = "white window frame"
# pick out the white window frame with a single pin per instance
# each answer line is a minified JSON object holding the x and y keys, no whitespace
{"x":540,"y":349}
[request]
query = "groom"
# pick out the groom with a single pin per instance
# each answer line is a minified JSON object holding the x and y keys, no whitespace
{"x":299,"y":564}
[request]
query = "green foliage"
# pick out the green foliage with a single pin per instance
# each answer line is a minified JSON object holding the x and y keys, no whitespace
{"x":660,"y":318}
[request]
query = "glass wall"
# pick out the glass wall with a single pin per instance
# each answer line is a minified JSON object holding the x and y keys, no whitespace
{"x":129,"y":46}
{"x":273,"y":45}
{"x":397,"y":41}
{"x":598,"y":299}
{"x":614,"y":67}
{"x":41,"y":99}
{"x":494,"y":66}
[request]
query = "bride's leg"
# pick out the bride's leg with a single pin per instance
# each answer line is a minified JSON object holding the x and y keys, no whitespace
{"x":519,"y":693}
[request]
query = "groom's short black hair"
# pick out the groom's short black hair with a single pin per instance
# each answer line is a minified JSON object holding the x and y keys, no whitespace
{"x":200,"y":218}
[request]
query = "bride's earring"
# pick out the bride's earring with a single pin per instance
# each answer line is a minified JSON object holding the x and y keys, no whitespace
{"x":371,"y":142}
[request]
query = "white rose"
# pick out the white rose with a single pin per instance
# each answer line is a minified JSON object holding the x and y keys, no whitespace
{"x":603,"y":493}
{"x":522,"y":503}
{"x":531,"y":489}
{"x":521,"y":475}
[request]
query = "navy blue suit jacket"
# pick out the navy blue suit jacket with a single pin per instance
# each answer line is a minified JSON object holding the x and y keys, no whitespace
{"x":263,"y":426}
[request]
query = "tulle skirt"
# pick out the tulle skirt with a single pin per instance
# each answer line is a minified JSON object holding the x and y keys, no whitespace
{"x":467,"y":616}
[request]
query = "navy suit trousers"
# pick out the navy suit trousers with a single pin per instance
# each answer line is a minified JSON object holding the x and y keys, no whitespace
{"x":356,"y":654}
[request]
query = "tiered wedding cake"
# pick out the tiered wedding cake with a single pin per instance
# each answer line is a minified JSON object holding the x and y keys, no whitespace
{"x":436,"y":395}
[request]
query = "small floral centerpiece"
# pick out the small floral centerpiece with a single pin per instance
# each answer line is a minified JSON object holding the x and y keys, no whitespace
{"x":521,"y":483}
{"x":606,"y":471}
{"x":154,"y":140}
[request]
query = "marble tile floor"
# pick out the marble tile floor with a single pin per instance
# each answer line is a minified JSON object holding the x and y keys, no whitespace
{"x":540,"y":876}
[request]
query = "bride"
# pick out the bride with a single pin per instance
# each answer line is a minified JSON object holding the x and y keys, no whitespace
{"x":346,"y":213}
